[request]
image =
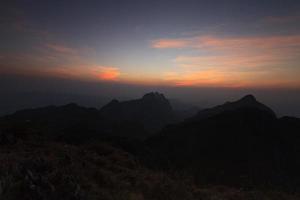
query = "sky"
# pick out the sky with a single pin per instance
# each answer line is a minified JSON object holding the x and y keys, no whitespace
{"x":202,"y":52}
{"x":188,"y":43}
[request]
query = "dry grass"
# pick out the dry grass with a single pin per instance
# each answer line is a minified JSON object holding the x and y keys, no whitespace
{"x":49,"y":171}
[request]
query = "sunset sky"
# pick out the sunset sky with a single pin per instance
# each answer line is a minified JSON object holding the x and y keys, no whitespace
{"x":188,"y":43}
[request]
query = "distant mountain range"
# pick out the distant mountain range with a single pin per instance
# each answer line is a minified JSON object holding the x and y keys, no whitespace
{"x":238,"y":143}
{"x":135,"y":118}
{"x":247,"y":101}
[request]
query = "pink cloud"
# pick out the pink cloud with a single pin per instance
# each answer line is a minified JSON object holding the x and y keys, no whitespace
{"x":229,"y":43}
{"x":236,"y":61}
{"x":243,"y":52}
{"x":45,"y":65}
{"x":170,"y":43}
{"x":87,"y":72}
{"x":61,"y":49}
{"x":232,"y":79}
{"x":230,"y":62}
{"x":208,"y":77}
{"x":244,"y":43}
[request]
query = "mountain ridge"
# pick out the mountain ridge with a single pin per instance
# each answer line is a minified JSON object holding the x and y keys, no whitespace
{"x":248,"y":101}
{"x":241,"y":143}
{"x":153,"y":110}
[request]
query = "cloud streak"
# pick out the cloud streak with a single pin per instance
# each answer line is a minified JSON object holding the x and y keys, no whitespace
{"x":243,"y":53}
{"x":232,"y":61}
{"x":170,"y":43}
{"x":58,"y":61}
{"x":210,"y":78}
{"x":229,"y":43}
{"x":58,"y":48}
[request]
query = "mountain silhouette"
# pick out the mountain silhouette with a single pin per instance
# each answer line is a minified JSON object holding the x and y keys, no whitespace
{"x":134,"y":119}
{"x":153,"y":111}
{"x":69,"y":123}
{"x":247,"y":102}
{"x":239,"y":142}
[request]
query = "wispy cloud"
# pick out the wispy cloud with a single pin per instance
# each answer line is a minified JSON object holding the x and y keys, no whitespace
{"x":49,"y":57}
{"x":232,"y":79}
{"x":60,"y":61}
{"x":170,"y":43}
{"x":231,"y":61}
{"x":192,"y":78}
{"x":58,"y":48}
{"x":242,"y":52}
{"x":229,"y":43}
{"x":86,"y":72}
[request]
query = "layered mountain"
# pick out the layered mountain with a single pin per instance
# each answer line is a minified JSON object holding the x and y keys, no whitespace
{"x":153,"y":111}
{"x":132,"y":119}
{"x":137,"y":118}
{"x":247,"y":102}
{"x":239,"y":142}
{"x":69,"y":123}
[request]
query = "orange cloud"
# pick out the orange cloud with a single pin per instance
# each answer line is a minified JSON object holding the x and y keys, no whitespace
{"x":233,"y":79}
{"x":204,"y":78}
{"x":236,"y":61}
{"x":84,"y":72}
{"x":108,"y":73}
{"x":231,"y":62}
{"x":243,"y":53}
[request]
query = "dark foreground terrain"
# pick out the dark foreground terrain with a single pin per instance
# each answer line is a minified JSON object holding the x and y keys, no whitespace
{"x":143,"y":149}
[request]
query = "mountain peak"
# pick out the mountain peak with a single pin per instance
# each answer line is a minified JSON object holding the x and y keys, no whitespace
{"x":248,"y":98}
{"x":71,"y":105}
{"x":113,"y":102}
{"x":153,"y":111}
{"x":248,"y":101}
{"x":154,"y":95}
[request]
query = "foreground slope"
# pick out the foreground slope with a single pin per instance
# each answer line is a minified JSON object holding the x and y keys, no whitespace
{"x":44,"y":170}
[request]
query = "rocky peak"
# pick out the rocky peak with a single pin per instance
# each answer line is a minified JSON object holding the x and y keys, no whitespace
{"x":248,"y":99}
{"x":154,"y":96}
